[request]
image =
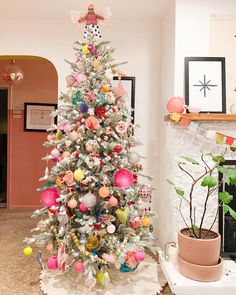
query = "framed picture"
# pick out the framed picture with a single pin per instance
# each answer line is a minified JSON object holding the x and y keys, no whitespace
{"x":205,"y":83}
{"x":37,"y":116}
{"x":128,"y":84}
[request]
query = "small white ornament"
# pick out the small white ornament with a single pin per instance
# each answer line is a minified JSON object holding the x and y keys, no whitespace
{"x":111,"y":228}
{"x":133,"y":157}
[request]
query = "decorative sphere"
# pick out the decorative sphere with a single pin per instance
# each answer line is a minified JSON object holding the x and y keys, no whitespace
{"x":89,"y":148}
{"x":70,"y":80}
{"x":92,"y":242}
{"x":146,"y":221}
{"x":233,"y":108}
{"x":145,"y":193}
{"x":89,"y":200}
{"x":51,"y":137}
{"x":52,"y":263}
{"x":28,"y":251}
{"x":49,"y":197}
{"x":123,"y":178}
{"x":111,"y":228}
{"x":175,"y":105}
{"x":72,"y":203}
{"x":78,"y":175}
{"x":82,"y":207}
{"x":103,"y":192}
{"x":55,"y":153}
{"x":113,"y":201}
{"x":139,"y":256}
{"x":78,"y":266}
{"x":49,"y":247}
{"x":73,"y":135}
{"x":194,"y":109}
{"x":105,"y":88}
{"x":13,"y":75}
{"x":117,"y":148}
{"x":65,"y":154}
{"x":83,"y":107}
{"x":85,"y":49}
{"x":133,"y":157}
{"x":90,"y":47}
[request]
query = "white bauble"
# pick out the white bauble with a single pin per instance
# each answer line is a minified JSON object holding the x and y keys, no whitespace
{"x":111,"y":228}
{"x":89,"y":200}
{"x":133,"y":157}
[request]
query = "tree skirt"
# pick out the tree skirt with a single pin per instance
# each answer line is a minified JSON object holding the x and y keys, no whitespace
{"x":148,"y":279}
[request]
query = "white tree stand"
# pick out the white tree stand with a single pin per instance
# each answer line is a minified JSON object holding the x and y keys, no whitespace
{"x":148,"y":279}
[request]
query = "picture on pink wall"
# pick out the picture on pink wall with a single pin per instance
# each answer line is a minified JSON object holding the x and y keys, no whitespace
{"x":37,"y":116}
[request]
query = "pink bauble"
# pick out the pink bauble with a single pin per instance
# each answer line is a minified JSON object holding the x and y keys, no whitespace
{"x":139,"y":256}
{"x":73,"y":135}
{"x":123,"y":178}
{"x":175,"y":105}
{"x":55,"y":153}
{"x":70,"y":80}
{"x":51,"y":137}
{"x":78,"y":266}
{"x":82,"y":207}
{"x":52,"y":263}
{"x":49,"y":197}
{"x":113,"y":201}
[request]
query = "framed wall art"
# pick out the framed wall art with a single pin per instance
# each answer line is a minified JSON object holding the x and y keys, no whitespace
{"x":37,"y":116}
{"x":128,"y":84}
{"x":205,"y":83}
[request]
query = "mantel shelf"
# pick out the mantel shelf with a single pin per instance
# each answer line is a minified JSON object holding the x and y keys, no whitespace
{"x":204,"y":117}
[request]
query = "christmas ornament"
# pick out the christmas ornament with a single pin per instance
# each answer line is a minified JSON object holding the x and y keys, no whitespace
{"x":111,"y":228}
{"x":105,"y":88}
{"x":89,"y":148}
{"x":123,"y":178}
{"x":72,"y":203}
{"x":85,"y":49}
{"x":96,"y":64}
{"x":83,"y":107}
{"x":113,"y":201}
{"x":103,"y":192}
{"x":145,"y":221}
{"x":145,"y":193}
{"x":100,"y":112}
{"x":117,"y":148}
{"x":52,"y":263}
{"x":195,"y":109}
{"x":100,"y":100}
{"x":83,"y":207}
{"x":122,"y":214}
{"x":130,"y":260}
{"x":133,"y":157}
{"x":92,"y":123}
{"x":28,"y":251}
{"x":49,"y":247}
{"x":78,"y":266}
{"x":121,"y":127}
{"x":76,"y":98}
{"x":49,"y":197}
{"x":103,"y":278}
{"x":13,"y":75}
{"x":78,"y":175}
{"x":81,"y":77}
{"x":59,"y":135}
{"x":175,"y":104}
{"x":51,"y":137}
{"x":70,"y":80}
{"x":92,"y":242}
{"x":65,"y":154}
{"x":139,"y":256}
{"x":90,"y":95}
{"x":68,"y":178}
{"x":73,"y":135}
{"x":91,"y":47}
{"x":55,"y":153}
{"x":134,"y":223}
{"x":92,"y":161}
{"x":89,"y":200}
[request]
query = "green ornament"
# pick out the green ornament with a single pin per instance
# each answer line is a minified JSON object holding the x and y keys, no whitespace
{"x":47,"y":185}
{"x":100,"y":100}
{"x":76,"y":98}
{"x":97,"y":184}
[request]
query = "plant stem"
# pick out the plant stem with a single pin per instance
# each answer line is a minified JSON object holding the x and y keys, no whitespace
{"x":217,"y":212}
{"x":180,"y":167}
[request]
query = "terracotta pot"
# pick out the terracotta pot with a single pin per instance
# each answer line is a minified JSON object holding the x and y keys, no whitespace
{"x":201,"y":273}
{"x":199,"y":251}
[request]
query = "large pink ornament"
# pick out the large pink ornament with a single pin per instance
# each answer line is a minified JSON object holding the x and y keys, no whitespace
{"x":123,"y":178}
{"x":52,"y":263}
{"x":139,"y":256}
{"x":92,"y":123}
{"x":175,"y":105}
{"x":49,"y":197}
{"x":78,"y":266}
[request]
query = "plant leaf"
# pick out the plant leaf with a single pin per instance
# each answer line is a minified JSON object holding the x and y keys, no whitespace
{"x":229,"y":210}
{"x":232,"y":179}
{"x":190,"y":160}
{"x":217,"y":159}
{"x":233,"y":148}
{"x":169,"y":181}
{"x":225,"y":197}
{"x":179,"y":191}
{"x":209,"y":181}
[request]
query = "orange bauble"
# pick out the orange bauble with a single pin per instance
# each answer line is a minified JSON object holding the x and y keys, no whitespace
{"x":103,"y":192}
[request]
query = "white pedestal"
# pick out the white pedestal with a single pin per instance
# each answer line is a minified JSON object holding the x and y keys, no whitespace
{"x":148,"y":279}
{"x":181,"y":285}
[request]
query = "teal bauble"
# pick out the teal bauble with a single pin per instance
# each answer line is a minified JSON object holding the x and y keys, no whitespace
{"x":76,"y":98}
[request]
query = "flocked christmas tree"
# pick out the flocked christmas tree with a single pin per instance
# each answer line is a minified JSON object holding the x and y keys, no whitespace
{"x":95,"y":212}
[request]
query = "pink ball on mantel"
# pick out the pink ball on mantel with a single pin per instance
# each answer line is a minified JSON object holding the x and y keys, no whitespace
{"x":52,"y":263}
{"x":49,"y":197}
{"x":139,"y":256}
{"x":123,"y":178}
{"x":175,"y":104}
{"x":82,"y":207}
{"x":113,"y":201}
{"x":78,"y":266}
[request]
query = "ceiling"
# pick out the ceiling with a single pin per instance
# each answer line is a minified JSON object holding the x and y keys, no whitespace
{"x":59,"y":9}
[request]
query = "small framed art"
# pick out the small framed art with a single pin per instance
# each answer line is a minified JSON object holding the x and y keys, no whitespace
{"x":205,"y":83}
{"x":37,"y":116}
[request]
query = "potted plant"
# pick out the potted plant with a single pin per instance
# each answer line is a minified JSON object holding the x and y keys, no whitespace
{"x":199,"y":247}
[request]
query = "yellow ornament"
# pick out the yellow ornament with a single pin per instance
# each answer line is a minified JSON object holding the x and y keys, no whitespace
{"x":65,"y":154}
{"x":28,"y":251}
{"x":85,"y":49}
{"x":105,"y":88}
{"x":96,"y":64}
{"x":92,"y":242}
{"x":78,"y":175}
{"x":59,"y":135}
{"x":146,"y":221}
{"x":122,"y":215}
{"x":103,"y":192}
{"x":59,"y":181}
{"x":102,"y":277}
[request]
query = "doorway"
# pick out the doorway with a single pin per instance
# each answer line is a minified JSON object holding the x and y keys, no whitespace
{"x":3,"y":146}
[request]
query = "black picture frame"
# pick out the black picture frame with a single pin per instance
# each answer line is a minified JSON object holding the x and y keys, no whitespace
{"x":129,"y":85}
{"x":36,"y":116}
{"x":205,"y":83}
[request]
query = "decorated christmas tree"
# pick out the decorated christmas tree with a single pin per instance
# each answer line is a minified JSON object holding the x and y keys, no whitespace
{"x":96,"y":213}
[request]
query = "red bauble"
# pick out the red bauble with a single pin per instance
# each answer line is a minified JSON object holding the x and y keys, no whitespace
{"x":117,"y":148}
{"x":175,"y":105}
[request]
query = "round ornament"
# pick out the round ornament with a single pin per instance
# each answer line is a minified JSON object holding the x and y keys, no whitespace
{"x":28,"y":251}
{"x":89,"y":148}
{"x":59,"y":135}
{"x":83,"y":207}
{"x":78,"y":266}
{"x":195,"y":109}
{"x":92,"y":242}
{"x":51,"y":137}
{"x":89,"y":200}
{"x":139,"y":256}
{"x":49,"y":197}
{"x":175,"y":105}
{"x":146,"y":221}
{"x":52,"y":263}
{"x":72,"y":203}
{"x":55,"y":153}
{"x":123,"y":178}
{"x":73,"y":135}
{"x":145,"y":193}
{"x":133,"y":157}
{"x":78,"y":175}
{"x":117,"y":149}
{"x":92,"y":123}
{"x":91,"y":47}
{"x":85,"y":49}
{"x":13,"y":75}
{"x":103,"y":192}
{"x":111,"y":228}
{"x":49,"y":247}
{"x":83,"y":107}
{"x":65,"y":154}
{"x":113,"y":201}
{"x":70,"y":80}
{"x":105,"y":88}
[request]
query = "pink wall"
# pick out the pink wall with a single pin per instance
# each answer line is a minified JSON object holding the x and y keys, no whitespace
{"x":25,"y":148}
